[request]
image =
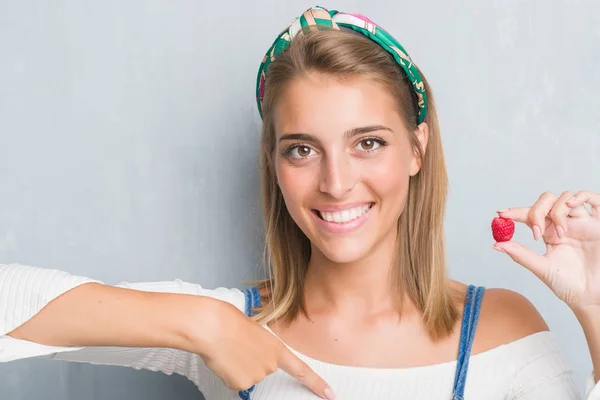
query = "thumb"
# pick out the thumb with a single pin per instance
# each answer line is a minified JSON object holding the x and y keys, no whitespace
{"x":524,"y":256}
{"x":296,"y":368}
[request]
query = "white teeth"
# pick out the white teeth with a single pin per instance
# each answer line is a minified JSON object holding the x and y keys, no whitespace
{"x":342,"y":217}
{"x":353,"y":213}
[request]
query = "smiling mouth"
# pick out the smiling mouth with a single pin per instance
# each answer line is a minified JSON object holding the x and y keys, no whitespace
{"x":344,"y":216}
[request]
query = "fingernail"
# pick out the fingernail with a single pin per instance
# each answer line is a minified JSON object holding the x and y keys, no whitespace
{"x":329,"y":393}
{"x":502,"y":211}
{"x":560,"y":231}
{"x":537,"y":233}
{"x":572,"y":199}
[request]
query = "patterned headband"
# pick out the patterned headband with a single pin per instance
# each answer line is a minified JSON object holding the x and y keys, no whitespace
{"x":319,"y":16}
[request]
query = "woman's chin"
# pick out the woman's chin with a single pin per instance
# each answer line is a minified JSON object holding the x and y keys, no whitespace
{"x":344,"y":253}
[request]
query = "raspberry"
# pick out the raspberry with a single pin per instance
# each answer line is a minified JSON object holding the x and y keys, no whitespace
{"x":502,"y":229}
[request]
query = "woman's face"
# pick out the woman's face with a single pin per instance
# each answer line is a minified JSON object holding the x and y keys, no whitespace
{"x":343,"y":162}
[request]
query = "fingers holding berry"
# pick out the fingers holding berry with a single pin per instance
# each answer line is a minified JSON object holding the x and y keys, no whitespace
{"x":571,"y":264}
{"x":548,"y":217}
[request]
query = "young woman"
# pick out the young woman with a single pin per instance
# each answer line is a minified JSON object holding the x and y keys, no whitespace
{"x":359,"y":305}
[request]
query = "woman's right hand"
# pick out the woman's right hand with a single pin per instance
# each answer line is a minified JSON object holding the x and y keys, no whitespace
{"x":172,"y":315}
{"x":242,"y":353}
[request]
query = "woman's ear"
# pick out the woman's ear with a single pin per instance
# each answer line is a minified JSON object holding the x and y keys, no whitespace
{"x":422,"y":134}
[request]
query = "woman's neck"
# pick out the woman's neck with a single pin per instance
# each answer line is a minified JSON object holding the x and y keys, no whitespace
{"x":360,"y":287}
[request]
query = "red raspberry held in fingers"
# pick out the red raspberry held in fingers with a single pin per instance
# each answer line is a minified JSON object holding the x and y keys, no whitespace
{"x":503,"y":229}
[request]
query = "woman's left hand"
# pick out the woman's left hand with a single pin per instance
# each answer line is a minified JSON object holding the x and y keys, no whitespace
{"x":571,"y":265}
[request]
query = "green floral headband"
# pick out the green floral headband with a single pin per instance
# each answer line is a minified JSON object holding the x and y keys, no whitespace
{"x":319,"y":16}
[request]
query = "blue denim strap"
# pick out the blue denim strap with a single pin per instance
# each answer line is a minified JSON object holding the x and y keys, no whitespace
{"x":467,"y":334}
{"x":252,"y":299}
{"x":245,"y":394}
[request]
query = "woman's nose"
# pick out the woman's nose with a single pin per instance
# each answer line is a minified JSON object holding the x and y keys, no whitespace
{"x":338,"y":176}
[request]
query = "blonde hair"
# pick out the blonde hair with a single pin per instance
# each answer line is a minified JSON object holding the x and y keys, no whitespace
{"x":421,"y":258}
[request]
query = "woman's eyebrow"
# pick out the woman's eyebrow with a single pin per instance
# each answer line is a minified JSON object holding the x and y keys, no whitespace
{"x":365,"y":129}
{"x":348,"y":134}
{"x":305,"y":137}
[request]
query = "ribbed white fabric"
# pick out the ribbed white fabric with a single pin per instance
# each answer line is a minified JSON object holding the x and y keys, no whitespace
{"x":531,"y":368}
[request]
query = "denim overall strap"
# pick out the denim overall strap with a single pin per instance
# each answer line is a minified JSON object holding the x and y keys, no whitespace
{"x":467,"y":334}
{"x":252,"y":297}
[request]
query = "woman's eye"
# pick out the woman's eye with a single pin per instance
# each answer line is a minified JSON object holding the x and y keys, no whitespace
{"x":300,"y":151}
{"x":369,"y":144}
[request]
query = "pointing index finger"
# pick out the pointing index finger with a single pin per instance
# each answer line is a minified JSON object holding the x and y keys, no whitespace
{"x":297,"y":369}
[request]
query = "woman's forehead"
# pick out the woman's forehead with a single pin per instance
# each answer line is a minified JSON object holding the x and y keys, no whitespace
{"x":315,"y":105}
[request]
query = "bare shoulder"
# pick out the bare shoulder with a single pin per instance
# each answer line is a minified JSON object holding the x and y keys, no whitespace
{"x":505,"y":316}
